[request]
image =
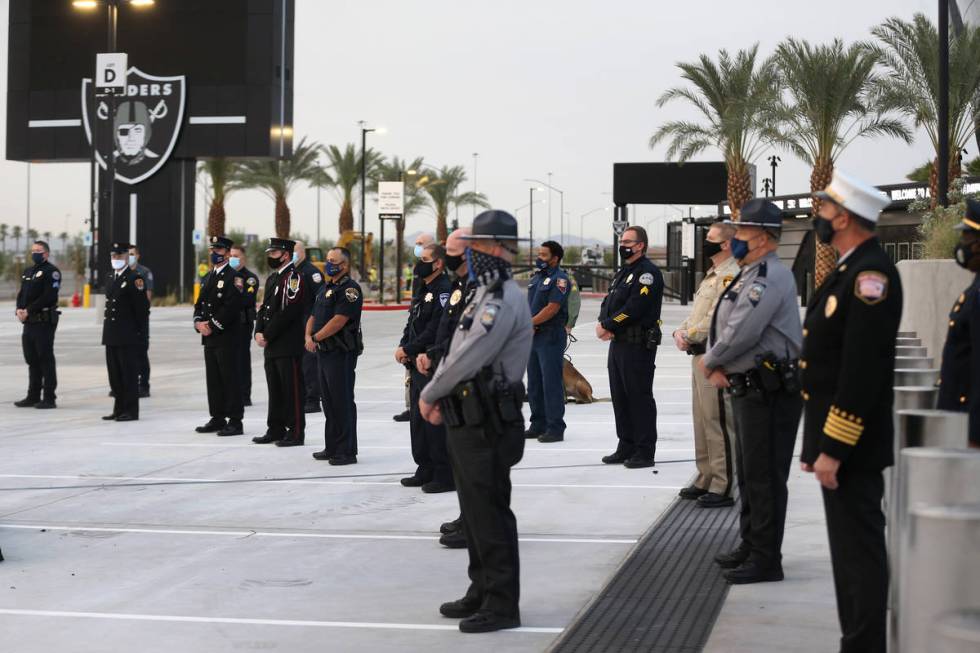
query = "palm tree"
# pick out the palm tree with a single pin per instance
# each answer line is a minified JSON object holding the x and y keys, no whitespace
{"x":18,"y":232}
{"x":32,"y":235}
{"x":4,"y":233}
{"x":415,"y":200}
{"x":910,"y":53}
{"x":277,"y":179}
{"x":733,"y":96}
{"x":345,"y":176}
{"x":222,"y":178}
{"x":830,"y":102}
{"x":442,"y":189}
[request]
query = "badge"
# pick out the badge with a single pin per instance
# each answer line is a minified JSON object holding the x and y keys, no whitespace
{"x":317,"y":277}
{"x":547,"y":281}
{"x":871,"y":287}
{"x":646,"y":278}
{"x":489,"y":316}
{"x":830,"y":306}
{"x":40,"y":273}
{"x":294,"y":283}
{"x":443,"y":298}
{"x":457,"y":295}
{"x":276,"y":291}
{"x":629,"y":278}
{"x":123,"y":285}
{"x":221,"y":283}
{"x":727,"y":280}
{"x":962,"y":298}
{"x":351,"y":294}
{"x":562,"y":285}
{"x":428,"y":297}
{"x":756,"y":290}
{"x":329,"y":292}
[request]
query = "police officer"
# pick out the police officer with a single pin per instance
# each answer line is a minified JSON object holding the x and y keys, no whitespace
{"x":37,"y":309}
{"x":125,"y":320}
{"x":477,"y":391}
{"x":453,"y":533}
{"x":147,"y":275}
{"x":753,"y":351}
{"x":217,"y":317}
{"x":630,"y":320}
{"x":411,"y":277}
{"x":959,"y":383}
{"x":432,"y":472}
{"x":279,"y":330}
{"x":712,"y":417}
{"x":848,"y":364}
{"x":547,"y":296}
{"x":314,"y":281}
{"x":333,"y":332}
{"x":250,"y":288}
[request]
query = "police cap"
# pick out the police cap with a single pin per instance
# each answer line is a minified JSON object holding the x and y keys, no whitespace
{"x":971,"y":220}
{"x":281,"y":243}
{"x":121,"y":248}
{"x":220,"y":241}
{"x":494,"y":225}
{"x":760,"y":213}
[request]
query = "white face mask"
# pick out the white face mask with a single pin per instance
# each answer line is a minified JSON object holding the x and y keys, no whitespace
{"x":118,"y":264}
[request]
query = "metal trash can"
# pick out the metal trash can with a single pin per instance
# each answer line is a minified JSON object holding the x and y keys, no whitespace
{"x":940,"y":563}
{"x":904,"y":362}
{"x":915,"y":377}
{"x":908,"y":350}
{"x":957,"y":632}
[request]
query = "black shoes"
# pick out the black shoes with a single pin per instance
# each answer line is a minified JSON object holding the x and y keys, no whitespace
{"x":451,"y":526}
{"x":46,"y":403}
{"x":437,"y":487}
{"x":247,"y":401}
{"x":545,"y":438}
{"x":27,"y":402}
{"x":733,"y":558}
{"x":213,"y":426}
{"x":310,"y":407}
{"x":402,"y":417}
{"x":453,"y":540}
{"x":753,"y":572}
{"x":691,"y":492}
{"x":531,"y":434}
{"x":714,"y":500}
{"x":322,"y":455}
{"x":291,"y":442}
{"x":343,"y":460}
{"x":460,"y":609}
{"x":144,"y":393}
{"x":615,"y":458}
{"x":412,"y":481}
{"x":109,"y":417}
{"x":126,"y":417}
{"x":232,"y":428}
{"x":638,"y":462}
{"x":488,"y":622}
{"x":267,"y":438}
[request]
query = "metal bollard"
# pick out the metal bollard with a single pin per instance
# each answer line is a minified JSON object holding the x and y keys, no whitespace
{"x":913,"y":362}
{"x":957,"y":632}
{"x":931,"y":428}
{"x":908,"y":342}
{"x":905,"y":350}
{"x":907,"y":334}
{"x":922,"y":397}
{"x":915,"y":377}
{"x":940,"y":567}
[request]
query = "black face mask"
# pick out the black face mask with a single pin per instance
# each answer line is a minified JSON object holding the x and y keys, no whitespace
{"x":453,"y":262}
{"x":625,"y":252}
{"x":274,"y":263}
{"x":966,"y":258}
{"x":423,"y":269}
{"x":824,"y":229}
{"x":710,"y":248}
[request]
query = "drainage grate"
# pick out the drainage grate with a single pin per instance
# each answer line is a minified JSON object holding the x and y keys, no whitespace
{"x":666,"y":596}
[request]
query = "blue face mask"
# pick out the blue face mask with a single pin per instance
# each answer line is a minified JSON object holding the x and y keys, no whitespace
{"x":541,"y":265}
{"x":132,"y":260}
{"x":418,"y":251}
{"x":235,"y":262}
{"x":332,"y":269}
{"x":37,"y":257}
{"x":740,"y":248}
{"x":295,"y":258}
{"x":217,"y":258}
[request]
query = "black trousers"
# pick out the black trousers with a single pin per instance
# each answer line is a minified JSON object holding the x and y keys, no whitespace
{"x":337,"y":375}
{"x":37,"y":341}
{"x":631,"y":369}
{"x":765,"y":433}
{"x":481,"y":463}
{"x":311,"y":379}
{"x":144,"y":361}
{"x":224,"y":390}
{"x":285,"y":380}
{"x":245,"y":361}
{"x":856,"y":527}
{"x":122,"y":363}
{"x":428,"y":440}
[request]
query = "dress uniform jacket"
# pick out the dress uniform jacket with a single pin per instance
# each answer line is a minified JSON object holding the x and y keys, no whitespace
{"x":220,"y":305}
{"x":959,"y":382}
{"x":282,"y":319}
{"x":127,"y":310}
{"x":849,"y":360}
{"x":697,"y":325}
{"x":426,"y":311}
{"x":461,"y":293}
{"x":250,"y":288}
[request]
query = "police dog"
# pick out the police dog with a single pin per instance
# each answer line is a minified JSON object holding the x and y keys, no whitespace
{"x":577,"y":389}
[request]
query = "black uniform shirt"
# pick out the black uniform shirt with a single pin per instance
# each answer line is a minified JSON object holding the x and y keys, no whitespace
{"x":426,"y":311}
{"x":848,"y":361}
{"x":959,"y":382}
{"x":282,"y":318}
{"x":248,"y":281}
{"x":341,"y":297}
{"x":461,"y":293}
{"x":635,"y":297}
{"x":127,"y":310}
{"x":220,"y":305}
{"x":313,"y":279}
{"x":39,"y":289}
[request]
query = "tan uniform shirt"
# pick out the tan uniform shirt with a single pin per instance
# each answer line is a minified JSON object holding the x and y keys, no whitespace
{"x":698,"y":323}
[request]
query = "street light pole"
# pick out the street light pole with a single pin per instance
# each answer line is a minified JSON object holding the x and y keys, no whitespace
{"x":943,"y":108}
{"x":364,"y":132}
{"x":561,"y":194}
{"x":476,"y":155}
{"x":530,"y":245}
{"x":581,"y":223}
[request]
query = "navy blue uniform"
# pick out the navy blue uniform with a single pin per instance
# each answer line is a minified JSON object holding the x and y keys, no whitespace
{"x":461,"y":293}
{"x":219,"y":305}
{"x":39,"y":297}
{"x":313,"y":279}
{"x":250,"y":289}
{"x":144,"y":372}
{"x":631,"y":311}
{"x":336,"y":362}
{"x":125,"y":320}
{"x":959,"y":382}
{"x":545,"y":388}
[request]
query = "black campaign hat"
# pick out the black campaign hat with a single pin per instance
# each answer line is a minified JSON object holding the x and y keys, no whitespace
{"x":494,"y":225}
{"x":281,"y":243}
{"x":121,"y":248}
{"x":971,"y":219}
{"x":760,"y":213}
{"x":220,"y":241}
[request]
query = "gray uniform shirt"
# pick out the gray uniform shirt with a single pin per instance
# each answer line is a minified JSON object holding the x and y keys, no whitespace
{"x":499,"y":335}
{"x":757,"y":314}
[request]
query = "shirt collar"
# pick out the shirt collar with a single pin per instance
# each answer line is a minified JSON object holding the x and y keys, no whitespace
{"x":220,"y":267}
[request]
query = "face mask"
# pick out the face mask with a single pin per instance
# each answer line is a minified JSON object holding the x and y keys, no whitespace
{"x":118,"y":264}
{"x":541,"y":265}
{"x":295,"y":258}
{"x":274,"y":263}
{"x":469,"y":264}
{"x":710,"y":248}
{"x":740,"y":248}
{"x":418,"y":251}
{"x":424,"y":269}
{"x":132,"y":260}
{"x":332,"y":269}
{"x":37,"y":257}
{"x":625,"y":252}
{"x":453,"y":262}
{"x":824,"y":229}
{"x":966,"y":257}
{"x":235,"y":262}
{"x":217,"y":259}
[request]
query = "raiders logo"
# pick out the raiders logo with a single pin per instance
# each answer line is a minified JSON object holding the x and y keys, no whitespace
{"x":144,"y":127}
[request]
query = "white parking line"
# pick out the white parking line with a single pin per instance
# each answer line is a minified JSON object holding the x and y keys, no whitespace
{"x":252,"y":447}
{"x":256,"y":622}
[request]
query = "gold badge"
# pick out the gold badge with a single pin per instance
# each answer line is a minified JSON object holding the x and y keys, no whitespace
{"x":40,"y":273}
{"x":329,"y":292}
{"x":830,"y":306}
{"x":293,"y":283}
{"x":547,"y":281}
{"x":962,"y":298}
{"x":221,"y":283}
{"x":457,"y":295}
{"x":629,"y":278}
{"x":123,"y":285}
{"x":428,"y":297}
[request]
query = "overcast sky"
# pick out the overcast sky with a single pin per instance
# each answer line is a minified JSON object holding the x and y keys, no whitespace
{"x":537,"y":86}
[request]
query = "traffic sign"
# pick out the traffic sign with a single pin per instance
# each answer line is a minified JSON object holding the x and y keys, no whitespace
{"x":391,"y":198}
{"x":197,"y":237}
{"x":110,"y":72}
{"x":87,"y":239}
{"x":687,"y":240}
{"x":619,"y":226}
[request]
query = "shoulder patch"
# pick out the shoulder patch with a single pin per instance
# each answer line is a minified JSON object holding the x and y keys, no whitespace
{"x":562,"y":286}
{"x":139,"y":283}
{"x":352,"y":295}
{"x":756,"y":291}
{"x":871,"y":286}
{"x":317,"y":277}
{"x":55,"y":275}
{"x":443,"y":298}
{"x":489,"y":316}
{"x":646,"y":278}
{"x":252,"y":281}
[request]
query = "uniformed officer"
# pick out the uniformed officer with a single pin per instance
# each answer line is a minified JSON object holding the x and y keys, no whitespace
{"x":959,"y":384}
{"x":753,"y":351}
{"x":217,"y":317}
{"x":37,"y":309}
{"x":411,"y":277}
{"x":279,"y":330}
{"x":452,"y":533}
{"x":250,"y":284}
{"x":547,"y":296}
{"x":630,"y":320}
{"x":713,"y":422}
{"x":848,"y":365}
{"x":477,"y":391}
{"x":314,"y":281}
{"x":333,"y":332}
{"x":432,"y":472}
{"x":147,"y":275}
{"x":127,"y":314}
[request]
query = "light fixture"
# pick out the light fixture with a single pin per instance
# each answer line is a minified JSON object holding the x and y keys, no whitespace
{"x":411,"y":172}
{"x":84,"y":4}
{"x":141,"y":3}
{"x":381,"y":130}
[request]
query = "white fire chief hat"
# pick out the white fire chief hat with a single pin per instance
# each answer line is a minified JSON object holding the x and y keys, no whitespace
{"x":858,"y":197}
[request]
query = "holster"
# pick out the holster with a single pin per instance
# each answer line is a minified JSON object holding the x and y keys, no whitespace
{"x":484,"y":401}
{"x":696,"y":348}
